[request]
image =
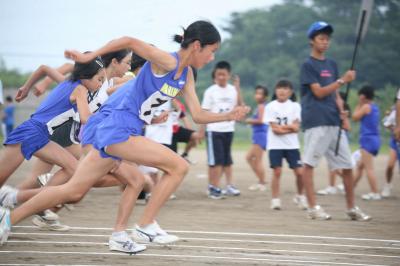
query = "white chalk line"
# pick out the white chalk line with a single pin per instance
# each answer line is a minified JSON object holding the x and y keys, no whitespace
{"x":222,"y":240}
{"x":210,"y":247}
{"x":187,"y":257}
{"x":244,"y":234}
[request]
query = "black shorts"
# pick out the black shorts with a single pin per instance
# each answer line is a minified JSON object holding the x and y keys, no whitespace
{"x":182,"y":135}
{"x":292,"y":158}
{"x":219,"y":148}
{"x":65,"y":134}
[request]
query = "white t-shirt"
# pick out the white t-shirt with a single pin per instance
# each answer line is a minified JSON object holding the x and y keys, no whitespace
{"x":220,"y":100}
{"x":161,"y":133}
{"x":283,"y":114}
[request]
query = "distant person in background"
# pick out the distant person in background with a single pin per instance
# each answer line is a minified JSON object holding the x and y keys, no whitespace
{"x":8,"y":118}
{"x":367,"y":112}
{"x":259,"y":139}
{"x":389,"y":122}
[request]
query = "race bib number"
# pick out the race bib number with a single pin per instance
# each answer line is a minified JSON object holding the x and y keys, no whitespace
{"x":148,"y":106}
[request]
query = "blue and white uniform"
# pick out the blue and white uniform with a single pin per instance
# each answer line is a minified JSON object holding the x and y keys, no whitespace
{"x":33,"y":134}
{"x":259,"y":132}
{"x":138,"y":101}
{"x":369,"y":132}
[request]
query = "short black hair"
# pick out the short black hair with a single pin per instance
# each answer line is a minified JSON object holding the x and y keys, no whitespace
{"x":284,"y":83}
{"x":223,"y":65}
{"x":9,"y":99}
{"x":263,"y":88}
{"x":367,"y":91}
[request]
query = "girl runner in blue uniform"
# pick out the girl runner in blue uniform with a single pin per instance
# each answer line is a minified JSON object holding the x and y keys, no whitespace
{"x":118,"y":136}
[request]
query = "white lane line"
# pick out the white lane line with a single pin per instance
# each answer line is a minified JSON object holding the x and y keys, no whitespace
{"x":223,"y":240}
{"x":187,"y":257}
{"x":242,"y":234}
{"x":212,"y":247}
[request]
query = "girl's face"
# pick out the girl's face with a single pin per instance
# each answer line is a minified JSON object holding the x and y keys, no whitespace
{"x":283,"y":93}
{"x":321,"y":42}
{"x":201,"y":56}
{"x":259,"y":96}
{"x":96,"y":81}
{"x":120,"y":68}
{"x":362,"y":98}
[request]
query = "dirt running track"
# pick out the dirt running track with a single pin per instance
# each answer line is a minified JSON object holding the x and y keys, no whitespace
{"x":233,"y":231}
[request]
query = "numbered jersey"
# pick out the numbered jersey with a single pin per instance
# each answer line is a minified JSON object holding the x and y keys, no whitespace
{"x":220,"y":100}
{"x":150,"y":91}
{"x":282,"y":113}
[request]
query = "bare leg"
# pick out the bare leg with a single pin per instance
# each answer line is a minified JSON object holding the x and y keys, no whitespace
{"x":214,"y":175}
{"x":254,"y":158}
{"x":332,"y":178}
{"x":92,"y":168}
{"x":391,"y":165}
{"x":228,"y":174}
{"x":359,"y":173}
{"x":148,"y":152}
{"x":349,"y":187}
{"x":10,"y":159}
{"x":299,"y":180}
{"x":308,"y":182}
{"x":275,"y":183}
{"x":368,"y":161}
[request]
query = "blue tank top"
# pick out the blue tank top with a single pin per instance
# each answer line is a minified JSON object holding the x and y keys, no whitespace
{"x":57,"y":102}
{"x":142,"y":95}
{"x":370,"y":122}
{"x":258,"y":127}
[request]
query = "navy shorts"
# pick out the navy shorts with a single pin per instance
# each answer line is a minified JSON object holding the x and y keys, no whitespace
{"x":219,"y":148}
{"x":292,"y":158}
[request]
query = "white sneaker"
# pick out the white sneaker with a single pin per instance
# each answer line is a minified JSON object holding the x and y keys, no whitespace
{"x":276,"y":204}
{"x":153,"y":233}
{"x":318,"y":213}
{"x":231,"y":191}
{"x":387,"y":190}
{"x":44,"y":178}
{"x":340,"y":188}
{"x":44,"y":224}
{"x":356,"y":214}
{"x":301,"y":201}
{"x":258,"y":186}
{"x":327,"y":191}
{"x":124,"y":244}
{"x":49,"y":215}
{"x":5,"y":225}
{"x":7,"y":193}
{"x":371,"y":196}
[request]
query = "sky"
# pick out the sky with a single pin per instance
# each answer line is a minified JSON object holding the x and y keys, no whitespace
{"x":35,"y":32}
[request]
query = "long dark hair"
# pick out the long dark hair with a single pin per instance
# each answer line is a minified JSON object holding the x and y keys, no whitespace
{"x":86,"y":70}
{"x":118,"y":55}
{"x":202,"y":31}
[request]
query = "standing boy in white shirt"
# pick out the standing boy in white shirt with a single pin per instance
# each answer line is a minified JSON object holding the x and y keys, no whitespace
{"x":221,"y":97}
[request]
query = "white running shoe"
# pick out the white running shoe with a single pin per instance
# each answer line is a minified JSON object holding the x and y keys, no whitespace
{"x":124,"y":244}
{"x":153,"y":233}
{"x":371,"y":196}
{"x":44,"y":224}
{"x":357,"y":214}
{"x":5,"y":225}
{"x":231,"y":191}
{"x":301,"y":202}
{"x":387,"y":190}
{"x":276,"y":204}
{"x":49,"y":215}
{"x":44,"y":178}
{"x":318,"y":213}
{"x":340,"y":188}
{"x":258,"y":186}
{"x":7,"y":193}
{"x":327,"y":191}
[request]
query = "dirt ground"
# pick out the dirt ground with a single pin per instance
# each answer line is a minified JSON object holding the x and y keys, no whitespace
{"x":234,"y":231}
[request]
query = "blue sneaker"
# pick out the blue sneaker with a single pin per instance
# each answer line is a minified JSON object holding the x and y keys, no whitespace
{"x":214,"y":192}
{"x":5,"y":224}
